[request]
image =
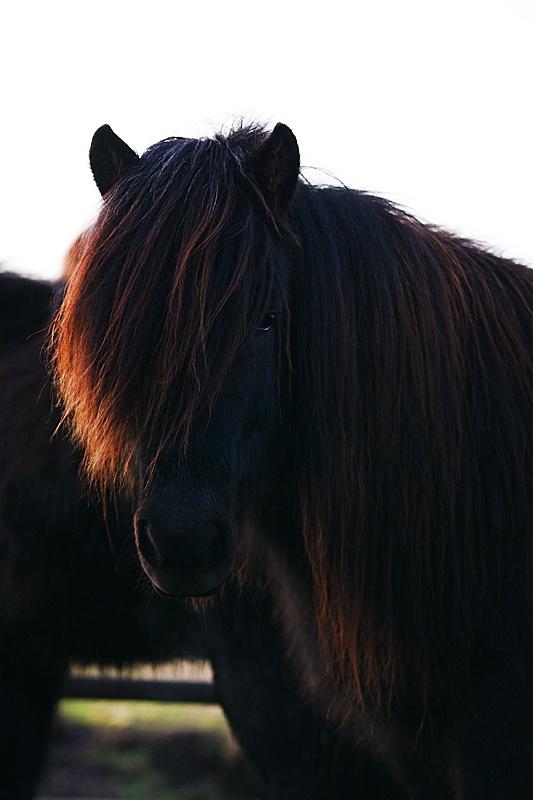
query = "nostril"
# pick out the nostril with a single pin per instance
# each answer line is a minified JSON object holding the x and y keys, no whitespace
{"x":146,"y":542}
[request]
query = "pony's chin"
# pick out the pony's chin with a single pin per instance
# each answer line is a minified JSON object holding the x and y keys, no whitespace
{"x":192,"y":584}
{"x":180,"y":594}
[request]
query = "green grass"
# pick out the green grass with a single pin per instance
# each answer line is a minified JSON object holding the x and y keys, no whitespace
{"x":136,"y":750}
{"x":144,"y":715}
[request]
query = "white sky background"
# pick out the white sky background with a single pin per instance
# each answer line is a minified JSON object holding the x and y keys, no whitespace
{"x":429,"y":104}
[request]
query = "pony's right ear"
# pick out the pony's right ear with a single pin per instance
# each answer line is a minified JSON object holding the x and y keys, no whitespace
{"x":276,"y":166}
{"x":110,"y":158}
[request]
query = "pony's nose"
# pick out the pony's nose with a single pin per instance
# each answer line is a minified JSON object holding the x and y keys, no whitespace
{"x":187,"y":559}
{"x":207,"y":549}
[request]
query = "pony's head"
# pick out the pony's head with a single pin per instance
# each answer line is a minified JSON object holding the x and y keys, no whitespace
{"x":172,"y":336}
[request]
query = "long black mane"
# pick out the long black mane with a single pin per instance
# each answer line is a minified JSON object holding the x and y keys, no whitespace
{"x":421,"y":343}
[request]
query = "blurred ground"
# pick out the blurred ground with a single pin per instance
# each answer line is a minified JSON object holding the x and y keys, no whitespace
{"x":145,"y":751}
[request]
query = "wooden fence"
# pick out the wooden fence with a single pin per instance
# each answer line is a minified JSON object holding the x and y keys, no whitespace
{"x":104,"y":688}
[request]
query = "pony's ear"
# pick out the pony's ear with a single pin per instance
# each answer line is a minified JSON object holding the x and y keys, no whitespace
{"x":110,"y":158}
{"x":276,"y":166}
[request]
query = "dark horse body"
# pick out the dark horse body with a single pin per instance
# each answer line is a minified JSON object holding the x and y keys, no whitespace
{"x":307,"y":381}
{"x":66,"y":595}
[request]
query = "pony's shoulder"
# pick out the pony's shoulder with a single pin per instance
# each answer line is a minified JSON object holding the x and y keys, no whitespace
{"x":25,"y":306}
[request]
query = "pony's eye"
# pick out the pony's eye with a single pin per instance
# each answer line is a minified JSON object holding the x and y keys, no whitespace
{"x":267,"y":322}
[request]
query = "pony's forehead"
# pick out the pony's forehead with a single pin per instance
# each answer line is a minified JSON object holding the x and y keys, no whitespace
{"x":172,"y":144}
{"x":182,"y":147}
{"x":196,"y":191}
{"x":170,"y":156}
{"x":214,"y":153}
{"x":186,"y":171}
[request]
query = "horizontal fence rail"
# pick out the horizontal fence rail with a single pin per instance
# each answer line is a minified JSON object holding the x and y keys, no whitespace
{"x":102,"y":687}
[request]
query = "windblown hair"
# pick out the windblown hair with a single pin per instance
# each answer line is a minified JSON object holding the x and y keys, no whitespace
{"x":411,"y":394}
{"x":177,"y":271}
{"x":414,"y":445}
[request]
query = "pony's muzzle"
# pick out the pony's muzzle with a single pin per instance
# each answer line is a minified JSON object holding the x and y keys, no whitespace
{"x":191,"y":557}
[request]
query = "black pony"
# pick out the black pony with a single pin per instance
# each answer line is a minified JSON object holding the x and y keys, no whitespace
{"x":64,"y":595}
{"x":308,"y":381}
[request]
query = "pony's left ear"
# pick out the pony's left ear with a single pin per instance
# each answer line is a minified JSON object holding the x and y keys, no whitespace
{"x":276,"y":166}
{"x":110,"y":158}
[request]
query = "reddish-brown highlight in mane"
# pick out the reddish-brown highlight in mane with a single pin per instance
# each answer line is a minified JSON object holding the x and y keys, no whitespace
{"x":169,"y":284}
